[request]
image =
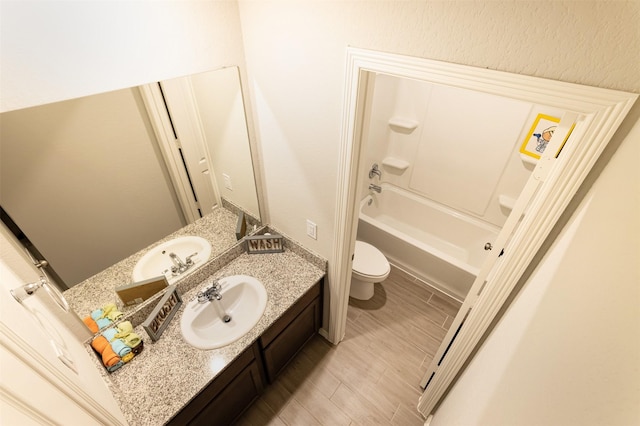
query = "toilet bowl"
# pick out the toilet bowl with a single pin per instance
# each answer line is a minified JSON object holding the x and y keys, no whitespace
{"x":369,"y":267}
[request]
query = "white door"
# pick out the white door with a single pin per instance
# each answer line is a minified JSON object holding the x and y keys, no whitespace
{"x":46,"y":374}
{"x":175,"y":117}
{"x":185,"y":117}
{"x":495,"y":249}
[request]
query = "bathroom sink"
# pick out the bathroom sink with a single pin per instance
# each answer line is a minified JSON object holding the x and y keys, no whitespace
{"x":158,"y":260}
{"x":244,"y":300}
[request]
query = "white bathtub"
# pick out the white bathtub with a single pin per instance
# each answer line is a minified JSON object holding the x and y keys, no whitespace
{"x":433,"y":242}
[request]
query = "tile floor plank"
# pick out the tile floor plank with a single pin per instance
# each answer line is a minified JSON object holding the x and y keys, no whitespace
{"x":372,"y":377}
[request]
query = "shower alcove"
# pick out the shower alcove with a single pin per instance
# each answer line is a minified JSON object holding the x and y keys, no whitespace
{"x":587,"y":117}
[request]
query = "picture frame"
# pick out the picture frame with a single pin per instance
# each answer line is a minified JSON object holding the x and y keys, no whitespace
{"x":539,"y":135}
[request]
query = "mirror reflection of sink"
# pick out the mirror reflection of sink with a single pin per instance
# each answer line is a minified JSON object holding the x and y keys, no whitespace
{"x":244,"y":300}
{"x":191,"y":251}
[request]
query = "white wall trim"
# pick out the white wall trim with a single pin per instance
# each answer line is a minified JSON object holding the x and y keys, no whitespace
{"x":24,"y":407}
{"x":21,"y":350}
{"x":606,"y":108}
{"x":344,"y":234}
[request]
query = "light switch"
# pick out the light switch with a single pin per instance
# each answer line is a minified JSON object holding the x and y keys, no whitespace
{"x":227,"y":181}
{"x":312,"y":230}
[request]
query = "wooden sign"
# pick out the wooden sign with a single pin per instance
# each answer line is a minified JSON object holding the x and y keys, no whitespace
{"x":241,"y":227}
{"x":162,"y":314}
{"x":140,"y":291}
{"x":265,"y":244}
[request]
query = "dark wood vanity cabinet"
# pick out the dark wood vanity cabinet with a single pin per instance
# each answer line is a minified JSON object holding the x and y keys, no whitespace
{"x":242,"y":381}
{"x":282,"y":341}
{"x":224,"y":399}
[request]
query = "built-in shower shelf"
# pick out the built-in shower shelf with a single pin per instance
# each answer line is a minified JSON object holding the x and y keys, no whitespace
{"x":404,"y":125}
{"x":395,"y":164}
{"x":528,"y":160}
{"x":506,"y":201}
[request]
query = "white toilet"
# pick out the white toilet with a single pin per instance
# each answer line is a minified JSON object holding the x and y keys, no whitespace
{"x":369,"y":267}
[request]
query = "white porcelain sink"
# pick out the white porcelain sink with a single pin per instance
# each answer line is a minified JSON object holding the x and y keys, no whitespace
{"x":157,"y":261}
{"x":244,"y":299}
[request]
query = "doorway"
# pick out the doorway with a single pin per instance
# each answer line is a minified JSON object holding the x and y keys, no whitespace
{"x":592,"y":115}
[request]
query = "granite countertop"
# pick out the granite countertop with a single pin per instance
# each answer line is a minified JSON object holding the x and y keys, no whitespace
{"x":167,"y":374}
{"x":156,"y":384}
{"x":218,"y":227}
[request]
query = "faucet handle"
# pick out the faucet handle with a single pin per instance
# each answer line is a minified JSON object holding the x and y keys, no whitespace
{"x":202,"y":297}
{"x":215,"y":285}
{"x":188,"y":259}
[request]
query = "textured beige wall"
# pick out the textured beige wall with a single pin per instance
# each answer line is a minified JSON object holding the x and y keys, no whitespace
{"x":295,"y":53}
{"x":295,"y":56}
{"x":58,"y":50}
{"x":566,"y":352}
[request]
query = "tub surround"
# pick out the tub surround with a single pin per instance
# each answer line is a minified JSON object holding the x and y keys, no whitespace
{"x":430,"y":241}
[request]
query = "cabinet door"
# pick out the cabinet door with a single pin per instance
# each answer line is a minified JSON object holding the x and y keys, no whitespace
{"x":292,"y":339}
{"x":233,"y":400}
{"x":226,"y":397}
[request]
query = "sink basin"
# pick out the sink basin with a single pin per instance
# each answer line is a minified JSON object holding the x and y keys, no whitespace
{"x":157,"y":262}
{"x":244,"y":299}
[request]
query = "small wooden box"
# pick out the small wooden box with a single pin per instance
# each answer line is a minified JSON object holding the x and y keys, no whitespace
{"x":140,"y":291}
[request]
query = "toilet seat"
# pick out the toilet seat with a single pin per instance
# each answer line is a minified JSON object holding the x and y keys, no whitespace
{"x":369,"y":262}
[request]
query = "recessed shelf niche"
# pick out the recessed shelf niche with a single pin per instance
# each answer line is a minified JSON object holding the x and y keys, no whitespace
{"x":395,"y":164}
{"x":403,"y":125}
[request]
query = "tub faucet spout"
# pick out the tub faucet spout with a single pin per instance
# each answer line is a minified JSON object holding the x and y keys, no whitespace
{"x":376,"y":188}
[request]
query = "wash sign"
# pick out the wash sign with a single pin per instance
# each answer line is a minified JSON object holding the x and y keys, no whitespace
{"x":265,"y":244}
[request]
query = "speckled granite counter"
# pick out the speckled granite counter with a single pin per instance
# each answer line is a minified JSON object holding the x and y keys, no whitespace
{"x":218,"y":227}
{"x":160,"y":381}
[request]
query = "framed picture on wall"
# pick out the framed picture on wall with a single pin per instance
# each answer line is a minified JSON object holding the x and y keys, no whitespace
{"x":539,"y":135}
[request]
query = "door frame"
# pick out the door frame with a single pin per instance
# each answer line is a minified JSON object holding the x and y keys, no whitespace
{"x":560,"y":179}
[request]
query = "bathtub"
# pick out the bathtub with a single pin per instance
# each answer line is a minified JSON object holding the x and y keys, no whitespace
{"x":433,"y":242}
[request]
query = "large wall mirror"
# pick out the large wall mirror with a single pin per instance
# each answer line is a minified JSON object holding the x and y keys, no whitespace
{"x":86,"y":181}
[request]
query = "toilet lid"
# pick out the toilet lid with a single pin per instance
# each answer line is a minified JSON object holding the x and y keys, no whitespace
{"x":368,"y":260}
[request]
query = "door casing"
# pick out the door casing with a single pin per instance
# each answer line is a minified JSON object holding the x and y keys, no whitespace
{"x":560,"y":179}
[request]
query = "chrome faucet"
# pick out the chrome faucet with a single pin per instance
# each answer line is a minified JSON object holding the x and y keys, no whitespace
{"x":179,"y":266}
{"x":376,"y":188}
{"x":211,"y":293}
{"x":375,"y":171}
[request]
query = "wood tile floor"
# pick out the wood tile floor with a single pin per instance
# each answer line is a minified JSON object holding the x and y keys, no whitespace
{"x":372,"y":377}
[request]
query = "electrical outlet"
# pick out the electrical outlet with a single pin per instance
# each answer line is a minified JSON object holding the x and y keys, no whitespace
{"x":227,"y":181}
{"x":312,"y":230}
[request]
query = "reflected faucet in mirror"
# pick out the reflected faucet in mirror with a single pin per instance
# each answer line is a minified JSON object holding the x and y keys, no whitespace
{"x":179,"y":266}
